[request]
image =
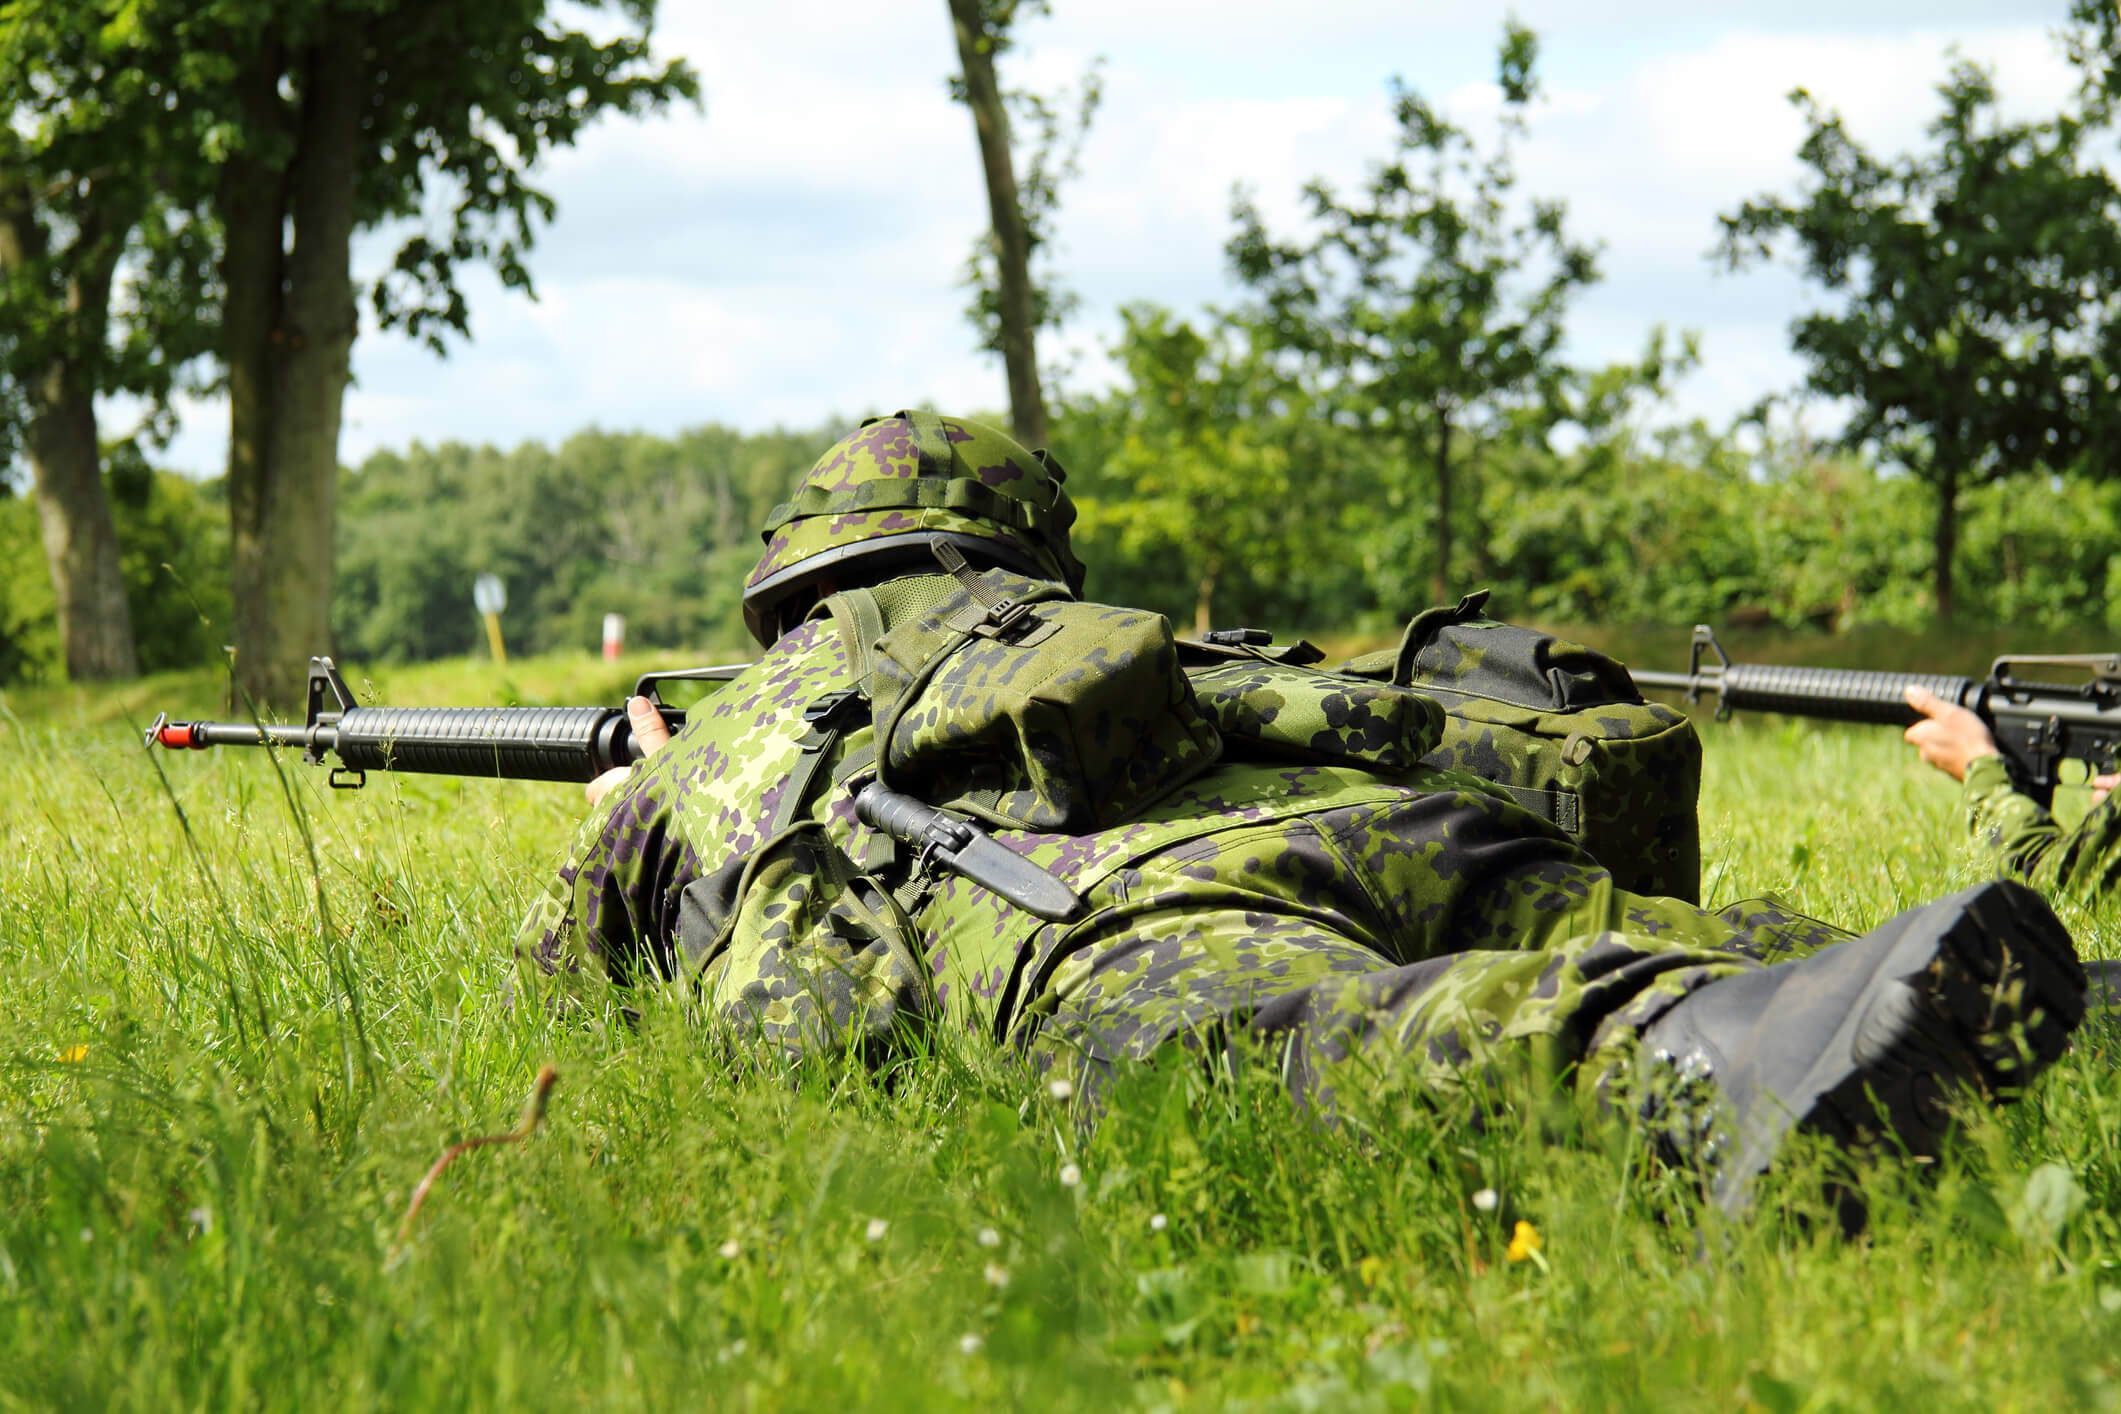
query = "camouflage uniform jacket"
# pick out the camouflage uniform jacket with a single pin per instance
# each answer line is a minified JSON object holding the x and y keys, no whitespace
{"x":1417,"y":912}
{"x":2018,"y":835}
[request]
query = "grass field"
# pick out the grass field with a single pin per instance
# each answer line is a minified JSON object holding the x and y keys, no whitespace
{"x":242,"y":1014}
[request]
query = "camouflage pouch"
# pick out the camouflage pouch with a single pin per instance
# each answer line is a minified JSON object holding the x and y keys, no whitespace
{"x":1284,"y":710}
{"x":1007,"y":699}
{"x":1562,"y":729}
{"x":808,"y":954}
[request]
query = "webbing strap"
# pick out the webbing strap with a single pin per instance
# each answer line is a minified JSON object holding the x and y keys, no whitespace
{"x":968,"y":497}
{"x":1558,"y":807}
{"x":888,"y":920}
{"x":828,"y":717}
{"x":1000,"y":613}
{"x":960,"y":569}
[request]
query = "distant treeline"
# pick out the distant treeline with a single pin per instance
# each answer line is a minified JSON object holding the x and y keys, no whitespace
{"x":1288,"y":520}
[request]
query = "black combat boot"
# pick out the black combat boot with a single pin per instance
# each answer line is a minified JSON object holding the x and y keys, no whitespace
{"x":1864,"y":1040}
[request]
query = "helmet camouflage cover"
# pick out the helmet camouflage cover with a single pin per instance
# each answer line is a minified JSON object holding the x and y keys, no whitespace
{"x":897,"y":486}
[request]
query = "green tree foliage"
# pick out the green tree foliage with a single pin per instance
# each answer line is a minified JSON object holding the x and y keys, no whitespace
{"x":1973,"y":339}
{"x":662,"y":530}
{"x":1427,"y":312}
{"x":1671,"y":527}
{"x":1197,"y":476}
{"x":105,"y":272}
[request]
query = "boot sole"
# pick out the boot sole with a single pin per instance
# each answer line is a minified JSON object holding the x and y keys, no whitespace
{"x":1982,"y":989}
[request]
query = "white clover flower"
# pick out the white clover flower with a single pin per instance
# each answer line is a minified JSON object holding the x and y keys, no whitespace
{"x":997,"y":1275}
{"x":969,"y":1343}
{"x":877,"y":1228}
{"x":1485,"y":1200}
{"x":1158,"y":1222}
{"x":730,"y":1250}
{"x":1070,"y":1175}
{"x":1060,"y":1088}
{"x":988,"y":1237}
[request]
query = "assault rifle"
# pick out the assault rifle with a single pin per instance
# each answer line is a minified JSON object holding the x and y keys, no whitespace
{"x":2037,"y":725}
{"x":580,"y":744}
{"x":512,"y":743}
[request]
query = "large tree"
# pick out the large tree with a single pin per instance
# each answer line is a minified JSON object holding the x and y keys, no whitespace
{"x":1430,"y":308}
{"x":337,"y":115}
{"x":103,"y":274}
{"x":1010,"y":302}
{"x":1977,"y":283}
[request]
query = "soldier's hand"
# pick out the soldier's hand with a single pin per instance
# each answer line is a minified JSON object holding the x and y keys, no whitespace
{"x":649,"y":730}
{"x":2103,"y":786}
{"x":1950,"y":737}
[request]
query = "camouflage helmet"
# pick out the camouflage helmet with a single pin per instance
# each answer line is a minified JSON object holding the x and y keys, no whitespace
{"x":879,"y":501}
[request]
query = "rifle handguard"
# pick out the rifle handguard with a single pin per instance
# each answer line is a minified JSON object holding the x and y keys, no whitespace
{"x":1838,"y":694}
{"x":1833,"y":694}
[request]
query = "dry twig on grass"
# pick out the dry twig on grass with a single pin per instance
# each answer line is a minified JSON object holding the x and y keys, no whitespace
{"x":533,"y":1116}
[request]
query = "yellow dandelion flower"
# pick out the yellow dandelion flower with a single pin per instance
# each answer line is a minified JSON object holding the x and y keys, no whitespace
{"x":73,"y":1053}
{"x":1525,"y":1243}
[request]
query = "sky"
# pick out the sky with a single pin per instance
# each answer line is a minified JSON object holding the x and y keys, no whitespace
{"x":791,"y":253}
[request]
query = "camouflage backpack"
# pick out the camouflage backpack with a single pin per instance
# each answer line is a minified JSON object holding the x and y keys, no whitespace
{"x":1562,"y":729}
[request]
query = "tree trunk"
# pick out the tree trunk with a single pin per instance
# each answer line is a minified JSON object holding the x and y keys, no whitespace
{"x":1476,"y":502}
{"x":1012,"y":234}
{"x":1945,"y":541}
{"x":1440,"y":584}
{"x":80,"y":540}
{"x":1204,"y":602}
{"x":288,"y":330}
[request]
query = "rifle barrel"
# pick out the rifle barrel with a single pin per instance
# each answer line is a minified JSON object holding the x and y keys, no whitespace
{"x":513,"y":743}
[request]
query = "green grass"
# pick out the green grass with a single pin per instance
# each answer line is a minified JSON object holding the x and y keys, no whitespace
{"x":201,"y":1210}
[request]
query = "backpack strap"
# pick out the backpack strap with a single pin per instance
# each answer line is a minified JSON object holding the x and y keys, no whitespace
{"x":860,"y":621}
{"x":991,"y":614}
{"x":828,"y":717}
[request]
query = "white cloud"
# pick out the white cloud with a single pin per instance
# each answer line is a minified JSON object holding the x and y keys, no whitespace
{"x":794,"y":254}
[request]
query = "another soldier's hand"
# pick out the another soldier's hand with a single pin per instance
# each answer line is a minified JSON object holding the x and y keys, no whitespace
{"x":649,"y":730}
{"x":1950,"y":738}
{"x":2103,"y":786}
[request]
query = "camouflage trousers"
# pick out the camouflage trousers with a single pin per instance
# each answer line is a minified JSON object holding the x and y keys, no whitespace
{"x":1535,"y":959}
{"x":1569,"y":1011}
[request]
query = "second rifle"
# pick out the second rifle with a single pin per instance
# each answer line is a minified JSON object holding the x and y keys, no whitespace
{"x":2037,"y":724}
